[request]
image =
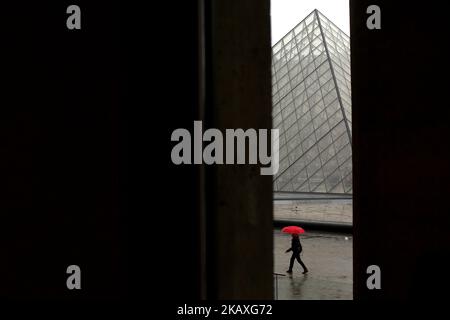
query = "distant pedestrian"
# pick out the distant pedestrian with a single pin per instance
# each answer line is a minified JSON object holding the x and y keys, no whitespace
{"x":296,"y":248}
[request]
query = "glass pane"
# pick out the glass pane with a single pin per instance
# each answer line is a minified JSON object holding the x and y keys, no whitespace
{"x":324,"y":142}
{"x":338,"y":188}
{"x":299,"y":179}
{"x":321,"y":188}
{"x":292,"y":131}
{"x":316,"y":179}
{"x":347,"y":182}
{"x":307,"y":144}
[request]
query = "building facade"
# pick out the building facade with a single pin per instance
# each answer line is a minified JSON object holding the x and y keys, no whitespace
{"x":311,"y":89}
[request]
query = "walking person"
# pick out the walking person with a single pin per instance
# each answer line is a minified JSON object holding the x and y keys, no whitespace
{"x":296,"y":248}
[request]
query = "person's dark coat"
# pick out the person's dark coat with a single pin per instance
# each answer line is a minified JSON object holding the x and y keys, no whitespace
{"x":296,"y":246}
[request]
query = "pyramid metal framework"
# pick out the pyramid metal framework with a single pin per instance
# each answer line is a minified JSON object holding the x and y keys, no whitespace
{"x":311,"y":90}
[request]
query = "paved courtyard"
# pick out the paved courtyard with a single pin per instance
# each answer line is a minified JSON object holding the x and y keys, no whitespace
{"x":328,"y":257}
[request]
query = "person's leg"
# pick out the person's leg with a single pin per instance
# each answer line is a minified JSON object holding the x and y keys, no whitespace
{"x":291,"y":263}
{"x":305,"y":269}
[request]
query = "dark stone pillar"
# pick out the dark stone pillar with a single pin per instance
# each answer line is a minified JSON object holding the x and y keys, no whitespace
{"x":239,"y":199}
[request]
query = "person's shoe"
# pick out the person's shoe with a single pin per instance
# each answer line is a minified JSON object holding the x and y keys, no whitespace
{"x":305,"y":271}
{"x":289,"y":271}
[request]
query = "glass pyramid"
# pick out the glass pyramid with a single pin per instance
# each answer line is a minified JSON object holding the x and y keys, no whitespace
{"x":312,"y":108}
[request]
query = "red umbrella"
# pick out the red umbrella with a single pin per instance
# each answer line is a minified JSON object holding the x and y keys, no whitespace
{"x":293,"y":230}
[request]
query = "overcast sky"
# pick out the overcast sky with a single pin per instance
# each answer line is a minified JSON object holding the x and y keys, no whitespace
{"x":286,"y":14}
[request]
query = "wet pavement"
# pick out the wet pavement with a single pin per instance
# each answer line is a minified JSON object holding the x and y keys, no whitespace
{"x":328,"y":257}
